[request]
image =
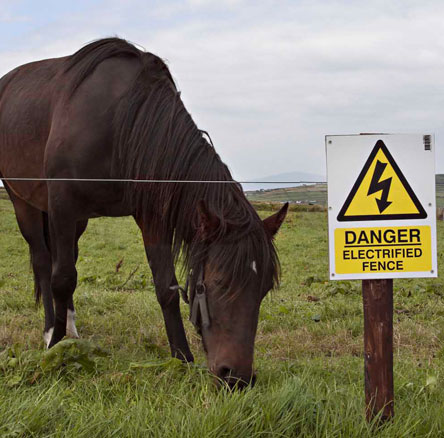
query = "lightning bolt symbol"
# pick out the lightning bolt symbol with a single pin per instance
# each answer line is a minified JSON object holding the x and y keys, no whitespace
{"x":376,"y":186}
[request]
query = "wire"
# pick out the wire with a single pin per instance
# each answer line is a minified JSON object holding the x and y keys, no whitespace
{"x":166,"y":181}
{"x":159,"y":181}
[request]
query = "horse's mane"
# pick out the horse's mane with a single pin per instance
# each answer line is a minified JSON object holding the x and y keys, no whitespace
{"x":156,"y":138}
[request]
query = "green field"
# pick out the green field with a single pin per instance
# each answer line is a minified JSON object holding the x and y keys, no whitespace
{"x":317,"y":193}
{"x":309,"y":353}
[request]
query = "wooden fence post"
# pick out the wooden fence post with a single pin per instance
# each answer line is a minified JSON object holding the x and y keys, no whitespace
{"x":378,"y":348}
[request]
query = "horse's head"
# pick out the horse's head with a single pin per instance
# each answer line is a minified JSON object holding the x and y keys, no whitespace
{"x":233,"y":275}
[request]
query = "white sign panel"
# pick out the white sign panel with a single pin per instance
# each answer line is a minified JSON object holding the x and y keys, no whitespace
{"x":381,"y":206}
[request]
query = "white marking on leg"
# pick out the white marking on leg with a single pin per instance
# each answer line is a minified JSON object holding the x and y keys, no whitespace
{"x":47,"y":336}
{"x":253,"y":266}
{"x":71,"y":330}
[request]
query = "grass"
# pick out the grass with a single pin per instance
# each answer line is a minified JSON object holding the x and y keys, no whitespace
{"x":308,"y":352}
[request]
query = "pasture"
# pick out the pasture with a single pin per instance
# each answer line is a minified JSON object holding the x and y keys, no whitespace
{"x":318,"y":193}
{"x":121,"y":382}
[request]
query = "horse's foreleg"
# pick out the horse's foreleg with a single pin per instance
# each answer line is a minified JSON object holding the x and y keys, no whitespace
{"x":162,"y":267}
{"x":161,"y":263}
{"x":64,"y":275}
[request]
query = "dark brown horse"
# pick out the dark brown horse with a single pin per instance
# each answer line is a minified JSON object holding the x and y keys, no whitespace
{"x":111,"y":111}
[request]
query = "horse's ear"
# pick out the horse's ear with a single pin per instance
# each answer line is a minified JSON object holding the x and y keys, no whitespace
{"x":274,"y":222}
{"x":208,"y":222}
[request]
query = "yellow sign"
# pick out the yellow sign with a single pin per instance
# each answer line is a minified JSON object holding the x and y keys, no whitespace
{"x":381,"y":192}
{"x":383,"y":249}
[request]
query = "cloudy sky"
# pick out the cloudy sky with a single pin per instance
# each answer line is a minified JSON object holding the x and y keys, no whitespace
{"x":266,"y":78}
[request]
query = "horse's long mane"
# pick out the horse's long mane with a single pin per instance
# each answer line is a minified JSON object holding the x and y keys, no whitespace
{"x":156,"y":138}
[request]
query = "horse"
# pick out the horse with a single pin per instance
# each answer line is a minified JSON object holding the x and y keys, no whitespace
{"x":104,"y":132}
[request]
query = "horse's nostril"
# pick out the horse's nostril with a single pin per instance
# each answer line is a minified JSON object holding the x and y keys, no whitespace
{"x":230,"y":378}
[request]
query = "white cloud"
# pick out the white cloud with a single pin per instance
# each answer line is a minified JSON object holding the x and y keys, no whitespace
{"x":269,"y":79}
{"x":6,"y":13}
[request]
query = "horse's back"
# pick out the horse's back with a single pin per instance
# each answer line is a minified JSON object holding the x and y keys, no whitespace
{"x":49,"y":131}
{"x":81,"y":141}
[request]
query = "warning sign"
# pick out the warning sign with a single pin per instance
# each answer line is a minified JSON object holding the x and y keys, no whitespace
{"x":381,"y":206}
{"x":381,"y":192}
{"x":385,"y":249}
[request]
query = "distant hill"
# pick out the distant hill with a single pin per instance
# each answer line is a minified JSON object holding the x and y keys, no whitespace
{"x":304,"y":194}
{"x":288,"y":176}
{"x":440,"y":190}
{"x":440,"y":178}
{"x":317,"y":193}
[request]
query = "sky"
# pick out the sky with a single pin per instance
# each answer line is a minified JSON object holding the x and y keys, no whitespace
{"x":267,"y":79}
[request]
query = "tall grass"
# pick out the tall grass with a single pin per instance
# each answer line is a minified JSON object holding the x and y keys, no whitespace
{"x":308,"y":351}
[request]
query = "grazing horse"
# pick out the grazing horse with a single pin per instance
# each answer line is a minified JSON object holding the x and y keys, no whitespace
{"x":112,"y":112}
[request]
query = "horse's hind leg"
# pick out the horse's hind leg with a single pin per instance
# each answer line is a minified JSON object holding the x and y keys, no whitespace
{"x":63,"y":229}
{"x":32,"y":223}
{"x":71,"y":330}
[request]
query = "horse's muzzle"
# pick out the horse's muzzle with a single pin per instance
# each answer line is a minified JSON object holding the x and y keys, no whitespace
{"x":231,"y":380}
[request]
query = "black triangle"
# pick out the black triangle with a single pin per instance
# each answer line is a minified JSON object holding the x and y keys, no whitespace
{"x":372,"y":217}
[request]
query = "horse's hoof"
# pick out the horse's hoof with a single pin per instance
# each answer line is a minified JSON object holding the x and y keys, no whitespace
{"x":72,"y":334}
{"x":186,"y":358}
{"x":47,"y":336}
{"x":71,"y":329}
